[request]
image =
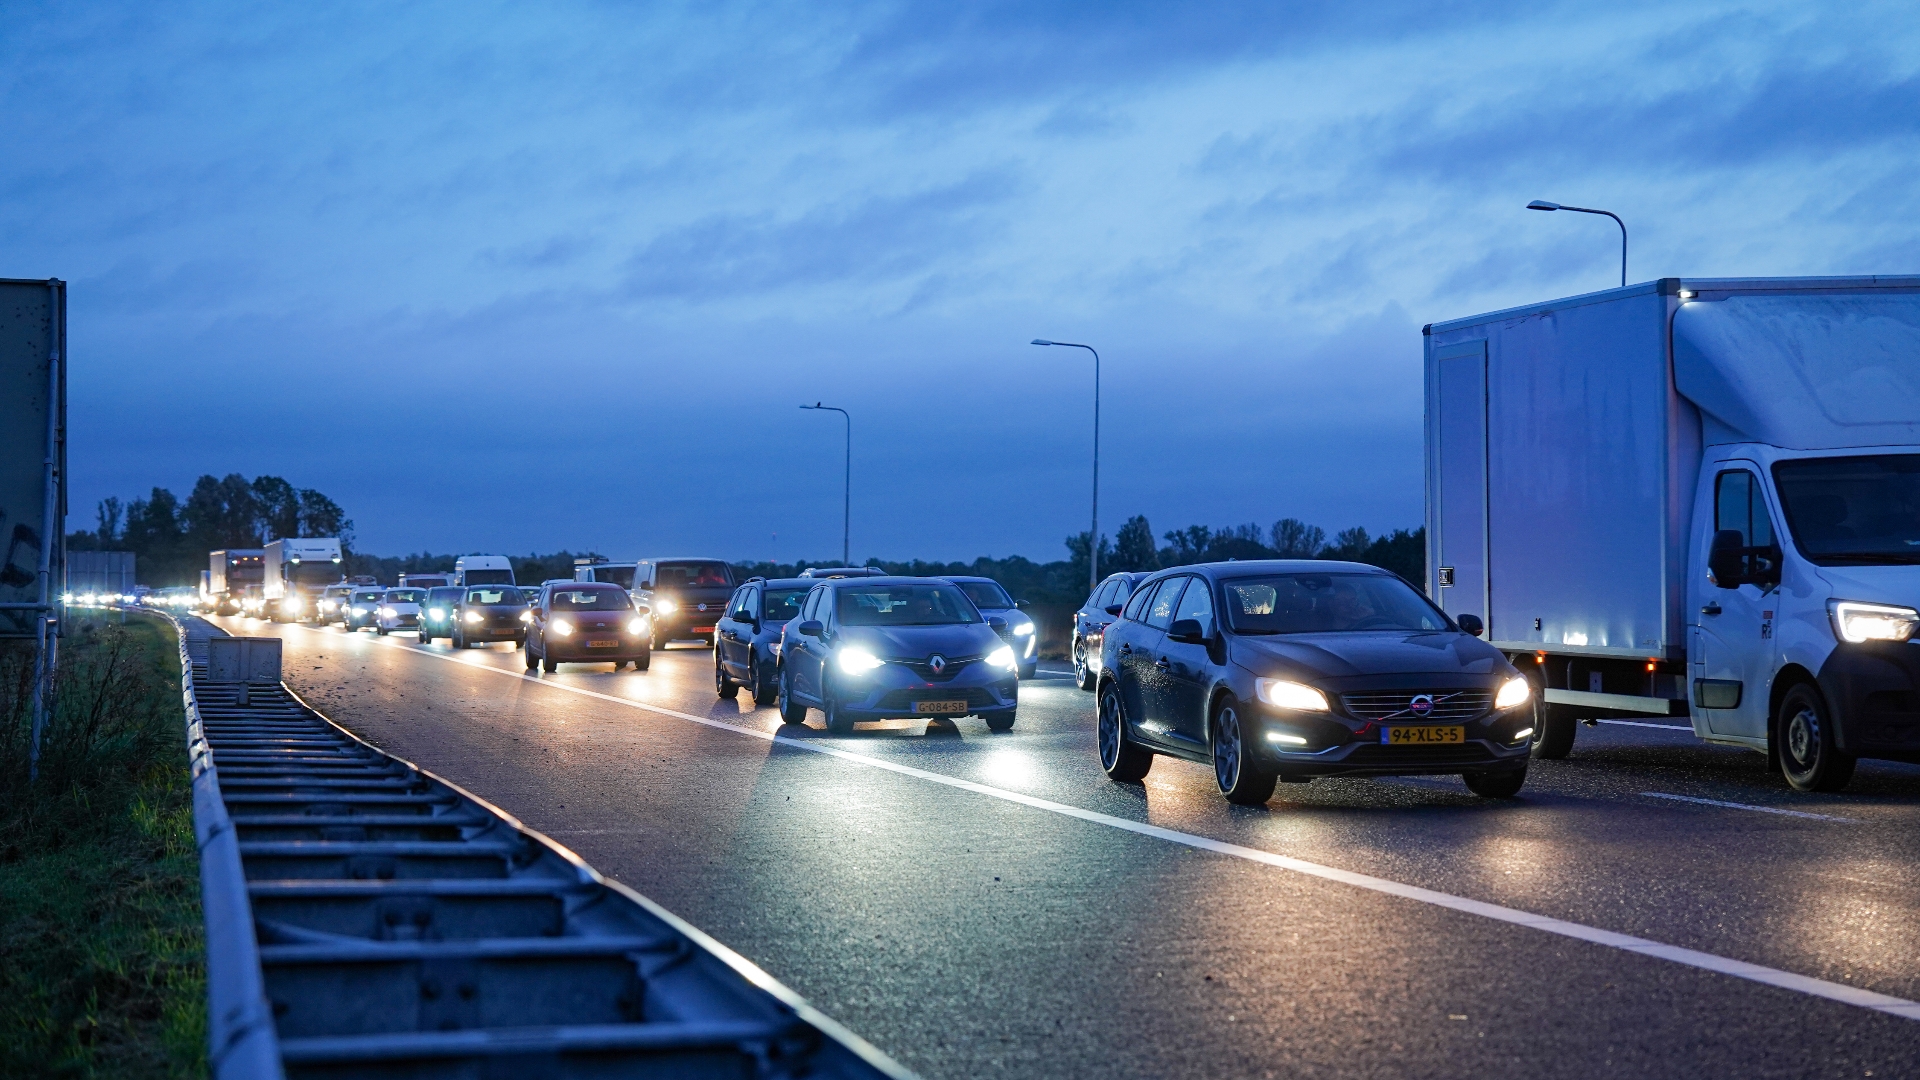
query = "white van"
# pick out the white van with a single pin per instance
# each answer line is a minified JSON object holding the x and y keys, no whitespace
{"x":482,"y":570}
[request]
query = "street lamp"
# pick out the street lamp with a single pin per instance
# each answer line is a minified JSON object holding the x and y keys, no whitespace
{"x":846,"y":512}
{"x":1542,"y":204}
{"x":1093,"y":537}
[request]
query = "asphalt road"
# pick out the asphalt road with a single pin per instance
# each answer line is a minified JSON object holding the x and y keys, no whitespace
{"x":980,"y":904}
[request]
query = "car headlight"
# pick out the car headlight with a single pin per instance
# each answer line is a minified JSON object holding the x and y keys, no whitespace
{"x":561,"y":628}
{"x":1024,"y":628}
{"x":437,"y":613}
{"x":471,"y":617}
{"x":526,"y":616}
{"x":1002,"y":657}
{"x":1290,"y":695}
{"x":291,"y":603}
{"x":1513,"y":693}
{"x":359,"y":611}
{"x":665,"y":606}
{"x":857,"y":661}
{"x":386,"y":613}
{"x":1855,"y":621}
{"x":637,"y":626}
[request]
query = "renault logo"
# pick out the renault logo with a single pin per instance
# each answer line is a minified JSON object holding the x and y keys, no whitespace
{"x":937,"y":663}
{"x":1421,"y":705}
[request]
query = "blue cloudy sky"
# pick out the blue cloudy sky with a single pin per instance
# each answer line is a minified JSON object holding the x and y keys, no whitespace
{"x":524,"y":276}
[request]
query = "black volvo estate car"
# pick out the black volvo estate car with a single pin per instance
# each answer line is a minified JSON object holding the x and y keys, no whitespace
{"x":1288,"y":670}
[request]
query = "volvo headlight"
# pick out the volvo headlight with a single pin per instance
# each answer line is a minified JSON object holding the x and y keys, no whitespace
{"x":1513,"y":693}
{"x":1290,"y":695}
{"x":1855,"y":621}
{"x":436,"y":613}
{"x":637,"y":626}
{"x":472,"y":618}
{"x":1002,"y":657}
{"x":857,"y":661}
{"x":665,"y":606}
{"x":561,"y":628}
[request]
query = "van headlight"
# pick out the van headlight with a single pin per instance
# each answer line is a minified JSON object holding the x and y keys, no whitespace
{"x":561,"y":628}
{"x":857,"y":661}
{"x":1856,"y":621}
{"x":1002,"y":657}
{"x":1282,"y":694}
{"x":665,"y":606}
{"x":1513,"y":693}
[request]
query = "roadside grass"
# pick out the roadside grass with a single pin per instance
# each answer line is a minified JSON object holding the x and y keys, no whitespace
{"x":102,"y":959}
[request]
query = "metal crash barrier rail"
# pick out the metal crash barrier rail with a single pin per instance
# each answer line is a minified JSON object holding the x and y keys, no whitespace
{"x":368,"y":919}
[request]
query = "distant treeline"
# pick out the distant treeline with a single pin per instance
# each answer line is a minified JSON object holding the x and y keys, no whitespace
{"x":170,"y":538}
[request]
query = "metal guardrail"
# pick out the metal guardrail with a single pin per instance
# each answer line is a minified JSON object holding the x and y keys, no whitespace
{"x":366,"y":918}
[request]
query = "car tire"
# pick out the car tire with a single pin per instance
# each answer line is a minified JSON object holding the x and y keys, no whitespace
{"x":1243,"y":778}
{"x":645,"y":662}
{"x":1496,"y":783}
{"x":1121,"y":758}
{"x":837,"y":720}
{"x":791,"y":711}
{"x":657,"y":644}
{"x":1803,"y":739}
{"x":765,"y":691}
{"x":1554,"y":727}
{"x":999,"y":722}
{"x":547,"y":663}
{"x":723,"y":683}
{"x":381,"y":631}
{"x":1030,"y":670}
{"x":1082,"y":674}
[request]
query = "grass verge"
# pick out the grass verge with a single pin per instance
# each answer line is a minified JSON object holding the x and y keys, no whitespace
{"x":102,"y":957}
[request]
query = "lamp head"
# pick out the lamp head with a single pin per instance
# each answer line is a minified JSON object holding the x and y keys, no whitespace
{"x":1542,"y":204}
{"x":1041,"y":341}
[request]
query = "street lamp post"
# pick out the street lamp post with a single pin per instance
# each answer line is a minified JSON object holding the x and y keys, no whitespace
{"x":846,"y":506}
{"x":1093,"y":537}
{"x":1542,"y":204}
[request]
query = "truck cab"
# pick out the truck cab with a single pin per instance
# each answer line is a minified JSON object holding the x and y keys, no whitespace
{"x":482,"y":570}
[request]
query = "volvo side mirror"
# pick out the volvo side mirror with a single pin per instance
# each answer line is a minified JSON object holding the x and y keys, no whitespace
{"x":812,"y":628}
{"x":1187,"y":631}
{"x":1471,"y":624}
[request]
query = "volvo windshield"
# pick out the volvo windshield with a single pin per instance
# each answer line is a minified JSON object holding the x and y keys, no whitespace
{"x":1326,"y":603}
{"x":1853,"y":510}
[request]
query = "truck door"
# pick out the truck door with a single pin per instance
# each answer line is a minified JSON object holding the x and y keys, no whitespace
{"x":1732,"y":647}
{"x":1460,"y":431}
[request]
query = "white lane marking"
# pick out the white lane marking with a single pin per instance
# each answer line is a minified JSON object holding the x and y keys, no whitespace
{"x":1739,"y":969}
{"x":1688,"y":728}
{"x":1747,"y":806}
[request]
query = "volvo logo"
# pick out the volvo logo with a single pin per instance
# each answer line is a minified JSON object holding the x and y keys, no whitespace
{"x":937,"y":663}
{"x":1421,"y":705}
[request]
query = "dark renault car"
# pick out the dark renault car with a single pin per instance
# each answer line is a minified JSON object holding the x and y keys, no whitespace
{"x":1290,"y":670}
{"x":883,"y":647}
{"x":579,"y":622}
{"x":1090,"y":623}
{"x":744,"y":640}
{"x":686,"y":596}
{"x":436,"y":614}
{"x":488,"y":613}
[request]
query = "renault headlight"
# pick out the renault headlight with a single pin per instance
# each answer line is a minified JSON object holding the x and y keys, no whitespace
{"x":665,"y":606}
{"x":472,"y":618}
{"x":1002,"y":657}
{"x":436,"y":613}
{"x":857,"y":661}
{"x":637,"y":626}
{"x":561,"y":628}
{"x":1282,"y":694}
{"x":1855,"y":621}
{"x":1513,"y":693}
{"x":1025,"y":628}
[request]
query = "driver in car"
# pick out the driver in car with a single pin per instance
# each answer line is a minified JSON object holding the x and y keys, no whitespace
{"x":1350,"y":608}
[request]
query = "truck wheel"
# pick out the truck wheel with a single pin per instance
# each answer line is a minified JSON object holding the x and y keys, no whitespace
{"x":1120,"y":757}
{"x":1503,"y":784}
{"x":1803,"y":737}
{"x":723,"y":683}
{"x":1553,"y":730}
{"x":1243,"y":779}
{"x":791,"y":711}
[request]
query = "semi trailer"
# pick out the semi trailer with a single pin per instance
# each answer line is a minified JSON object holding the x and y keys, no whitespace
{"x":1696,"y":499}
{"x":295,"y":573}
{"x":229,"y":572}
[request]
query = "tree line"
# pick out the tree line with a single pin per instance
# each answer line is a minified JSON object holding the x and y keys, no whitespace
{"x":170,"y":537}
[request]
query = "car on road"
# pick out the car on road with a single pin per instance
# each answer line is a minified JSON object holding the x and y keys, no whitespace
{"x":1090,"y":621}
{"x":582,"y":622}
{"x":685,"y":596}
{"x":1022,"y":632}
{"x":1289,"y":670}
{"x":361,"y":607}
{"x":437,"y":612}
{"x":489,"y":613}
{"x":880,"y":648}
{"x":744,"y":639}
{"x":332,"y":605}
{"x":399,"y":610}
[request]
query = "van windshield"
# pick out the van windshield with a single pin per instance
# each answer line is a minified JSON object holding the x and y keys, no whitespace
{"x":1324,"y":603}
{"x":692,"y":575}
{"x":487,"y":577}
{"x":1853,"y":511}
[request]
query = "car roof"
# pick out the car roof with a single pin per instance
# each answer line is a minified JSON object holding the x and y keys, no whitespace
{"x":1277,"y":566}
{"x":786,"y":582}
{"x":958,"y":578}
{"x":888,"y":579}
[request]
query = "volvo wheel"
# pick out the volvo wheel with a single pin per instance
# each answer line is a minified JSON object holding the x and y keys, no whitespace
{"x":1121,"y":758}
{"x":1243,"y":779}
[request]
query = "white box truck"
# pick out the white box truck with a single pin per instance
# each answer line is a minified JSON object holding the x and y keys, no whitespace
{"x":1692,"y":498}
{"x":230,"y":572}
{"x":482,"y":570}
{"x":296,"y":572}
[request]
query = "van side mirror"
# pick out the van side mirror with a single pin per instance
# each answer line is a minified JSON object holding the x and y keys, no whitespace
{"x":1471,"y":623}
{"x":1186,"y":631}
{"x":812,"y":628}
{"x":1733,"y":564}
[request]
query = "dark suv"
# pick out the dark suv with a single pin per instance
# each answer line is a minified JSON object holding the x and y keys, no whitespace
{"x":687,"y":596}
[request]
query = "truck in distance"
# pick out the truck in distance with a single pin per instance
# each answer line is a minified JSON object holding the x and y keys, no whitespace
{"x":295,"y":573}
{"x":1696,"y":499}
{"x":229,"y":572}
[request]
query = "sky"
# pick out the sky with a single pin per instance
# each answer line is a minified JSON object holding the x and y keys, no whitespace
{"x":519,"y":277}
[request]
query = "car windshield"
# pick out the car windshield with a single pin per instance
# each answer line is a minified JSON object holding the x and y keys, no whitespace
{"x":506,"y":595}
{"x":904,"y":605}
{"x":1853,"y":510}
{"x":405,"y":596}
{"x":614,"y":599}
{"x":986,"y":594}
{"x":692,"y":575}
{"x":783,"y":605}
{"x":443,"y":596}
{"x":1319,"y":603}
{"x":367,"y":597}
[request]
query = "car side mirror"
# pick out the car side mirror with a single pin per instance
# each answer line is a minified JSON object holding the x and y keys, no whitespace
{"x":1114,"y":609}
{"x":1020,"y":603}
{"x":998,"y":624}
{"x":642,"y":609}
{"x":812,"y":628}
{"x":1471,"y":624}
{"x":1187,"y":631}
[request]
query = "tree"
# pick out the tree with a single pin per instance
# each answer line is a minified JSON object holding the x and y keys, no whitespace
{"x":1077,"y":546}
{"x":1295,"y":539}
{"x":1133,"y":550}
{"x":321,"y":516}
{"x":1188,"y":545}
{"x":278,"y":507}
{"x":1349,"y":544}
{"x":109,"y":517}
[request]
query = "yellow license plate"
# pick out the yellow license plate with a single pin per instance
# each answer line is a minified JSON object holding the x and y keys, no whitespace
{"x":1423,"y":736}
{"x":608,"y":643}
{"x":939,"y":706}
